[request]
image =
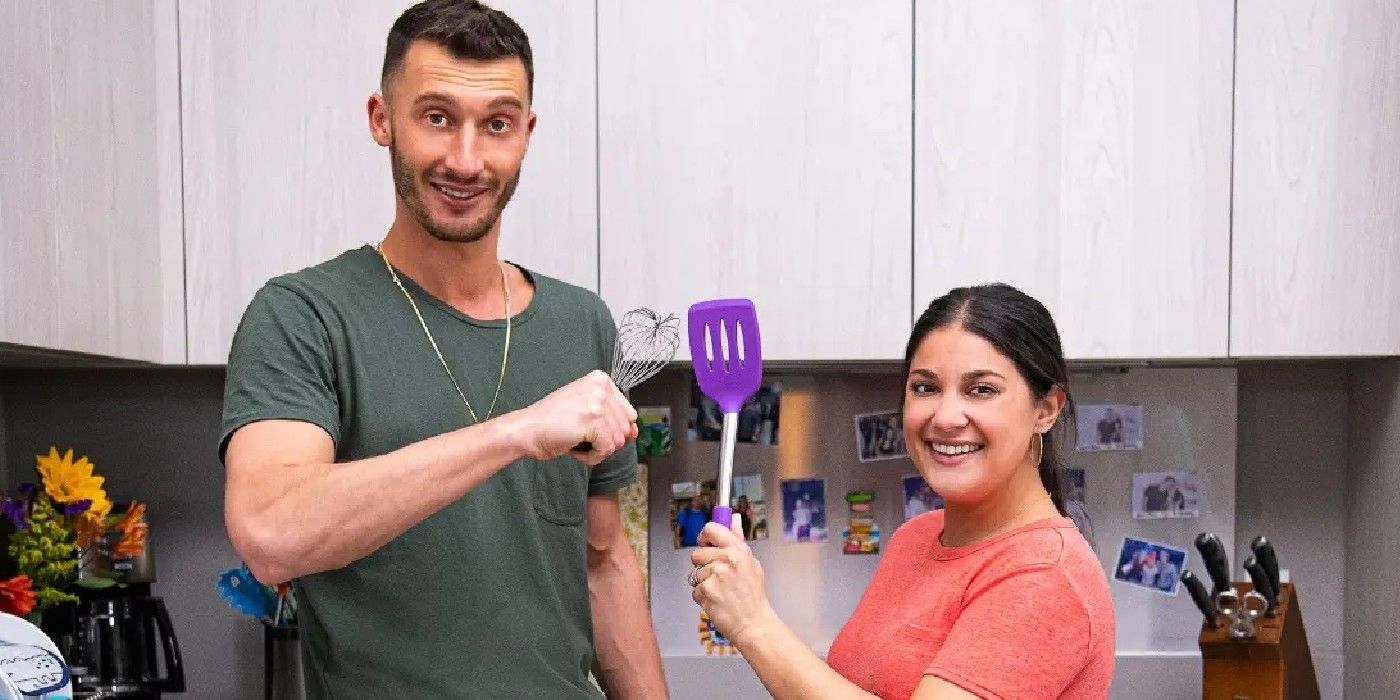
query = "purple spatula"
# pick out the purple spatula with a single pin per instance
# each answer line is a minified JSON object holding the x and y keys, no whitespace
{"x":724,"y":348}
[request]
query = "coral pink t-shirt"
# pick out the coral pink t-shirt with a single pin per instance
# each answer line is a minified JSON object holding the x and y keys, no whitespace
{"x":1025,"y":614}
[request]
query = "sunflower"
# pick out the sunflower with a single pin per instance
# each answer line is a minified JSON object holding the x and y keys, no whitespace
{"x":67,"y":481}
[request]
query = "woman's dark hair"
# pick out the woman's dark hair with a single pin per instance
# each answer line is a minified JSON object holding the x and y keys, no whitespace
{"x":1022,"y":329}
{"x":465,"y":28}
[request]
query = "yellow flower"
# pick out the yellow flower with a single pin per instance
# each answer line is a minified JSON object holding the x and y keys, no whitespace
{"x":67,"y":481}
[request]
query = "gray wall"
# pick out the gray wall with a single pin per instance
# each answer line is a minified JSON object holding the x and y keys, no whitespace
{"x":1189,"y":420}
{"x":152,"y":433}
{"x":1372,"y":547}
{"x":1292,"y":476}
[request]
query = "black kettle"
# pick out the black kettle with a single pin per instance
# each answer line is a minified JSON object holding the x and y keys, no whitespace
{"x":116,"y":641}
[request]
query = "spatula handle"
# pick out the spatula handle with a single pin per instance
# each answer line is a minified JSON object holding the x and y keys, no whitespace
{"x":728,"y":435}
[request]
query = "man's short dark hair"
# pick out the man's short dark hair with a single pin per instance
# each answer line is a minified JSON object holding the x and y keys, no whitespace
{"x":465,"y":28}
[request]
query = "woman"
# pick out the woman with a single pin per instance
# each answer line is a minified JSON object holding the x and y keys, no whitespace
{"x":997,"y":595}
{"x":744,"y":510}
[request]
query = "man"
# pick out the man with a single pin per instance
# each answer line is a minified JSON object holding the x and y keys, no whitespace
{"x":691,"y":520}
{"x":1166,"y":572}
{"x":1110,"y":428}
{"x":1154,"y":498}
{"x":400,"y":422}
{"x":1171,"y":497}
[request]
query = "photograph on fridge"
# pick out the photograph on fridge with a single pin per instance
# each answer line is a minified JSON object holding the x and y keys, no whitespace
{"x":653,"y":431}
{"x":1151,"y":565}
{"x":690,"y":510}
{"x":880,"y":436}
{"x":1108,"y":427}
{"x":1166,"y":495}
{"x":693,"y":503}
{"x":918,"y":497}
{"x":757,"y":422}
{"x":747,"y":500}
{"x":804,"y":510}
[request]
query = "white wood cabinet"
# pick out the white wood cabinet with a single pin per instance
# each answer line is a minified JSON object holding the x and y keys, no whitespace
{"x":1079,"y":151}
{"x":760,"y":150}
{"x":90,"y":241}
{"x":281,"y":171}
{"x":1316,"y":254}
{"x":168,"y":159}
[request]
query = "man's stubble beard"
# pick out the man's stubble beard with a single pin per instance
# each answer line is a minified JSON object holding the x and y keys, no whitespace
{"x":410,"y":189}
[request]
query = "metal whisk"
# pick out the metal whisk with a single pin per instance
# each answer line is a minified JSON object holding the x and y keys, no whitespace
{"x":645,"y":343}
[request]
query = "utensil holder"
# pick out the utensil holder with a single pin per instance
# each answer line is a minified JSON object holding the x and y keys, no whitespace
{"x":283,"y":676}
{"x":1275,"y":664}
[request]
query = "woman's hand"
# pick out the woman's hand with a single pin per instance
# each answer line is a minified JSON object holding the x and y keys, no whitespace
{"x":728,"y":584}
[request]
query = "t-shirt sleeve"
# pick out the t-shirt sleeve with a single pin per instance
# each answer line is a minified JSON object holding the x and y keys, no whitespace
{"x":1026,"y":636}
{"x":280,"y":366}
{"x":620,"y":469}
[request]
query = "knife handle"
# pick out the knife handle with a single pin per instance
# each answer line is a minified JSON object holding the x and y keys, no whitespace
{"x":1217,"y":562}
{"x":1201,"y":596}
{"x":1264,"y":551}
{"x":1262,"y":584}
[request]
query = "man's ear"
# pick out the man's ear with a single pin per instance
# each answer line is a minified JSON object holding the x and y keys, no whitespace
{"x":379,"y":127}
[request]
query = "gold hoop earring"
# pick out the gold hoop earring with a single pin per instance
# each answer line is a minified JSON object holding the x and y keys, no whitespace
{"x":1039,"y":449}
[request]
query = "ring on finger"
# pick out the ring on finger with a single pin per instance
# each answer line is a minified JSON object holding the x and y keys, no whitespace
{"x":691,"y":579}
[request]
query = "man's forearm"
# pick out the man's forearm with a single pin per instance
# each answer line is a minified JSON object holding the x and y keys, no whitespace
{"x":625,"y":642}
{"x":319,"y":516}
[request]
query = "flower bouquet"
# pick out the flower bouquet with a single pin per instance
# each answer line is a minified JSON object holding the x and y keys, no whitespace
{"x":62,"y":534}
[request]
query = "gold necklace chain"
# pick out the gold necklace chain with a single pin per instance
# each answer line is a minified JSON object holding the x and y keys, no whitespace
{"x":505,"y":354}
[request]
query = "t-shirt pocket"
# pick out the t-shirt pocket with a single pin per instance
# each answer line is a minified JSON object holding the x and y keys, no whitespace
{"x":561,"y":490}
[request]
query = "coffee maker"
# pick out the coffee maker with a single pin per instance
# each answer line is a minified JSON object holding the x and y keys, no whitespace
{"x":118,"y":641}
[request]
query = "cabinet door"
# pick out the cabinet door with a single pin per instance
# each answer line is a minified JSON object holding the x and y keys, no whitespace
{"x":90,"y":197}
{"x":760,"y":150}
{"x":1080,"y":151}
{"x":1317,"y":180}
{"x":281,"y":171}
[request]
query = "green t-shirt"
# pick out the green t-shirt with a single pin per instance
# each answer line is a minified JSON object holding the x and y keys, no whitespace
{"x":487,"y":597}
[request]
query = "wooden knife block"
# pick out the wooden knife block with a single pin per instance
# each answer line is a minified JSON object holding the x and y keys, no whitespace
{"x":1275,"y":665}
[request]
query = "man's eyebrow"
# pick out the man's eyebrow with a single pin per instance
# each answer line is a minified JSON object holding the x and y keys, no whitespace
{"x":505,"y":101}
{"x":433,"y":96}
